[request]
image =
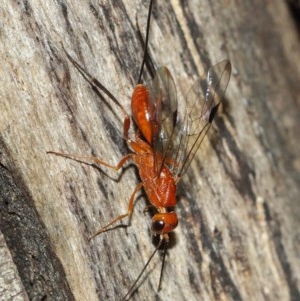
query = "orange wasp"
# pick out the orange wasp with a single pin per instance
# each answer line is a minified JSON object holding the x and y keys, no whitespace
{"x":166,"y":142}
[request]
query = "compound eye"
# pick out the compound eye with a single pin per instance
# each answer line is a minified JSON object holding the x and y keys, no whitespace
{"x":164,"y":222}
{"x":158,"y":226}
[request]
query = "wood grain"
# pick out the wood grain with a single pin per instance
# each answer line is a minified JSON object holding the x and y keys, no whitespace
{"x":238,"y":237}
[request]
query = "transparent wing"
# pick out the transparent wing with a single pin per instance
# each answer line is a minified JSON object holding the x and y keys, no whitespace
{"x":202,"y":104}
{"x":163,"y":118}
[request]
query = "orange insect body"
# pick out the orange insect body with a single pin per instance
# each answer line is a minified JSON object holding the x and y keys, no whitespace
{"x":160,"y":188}
{"x":140,"y":111}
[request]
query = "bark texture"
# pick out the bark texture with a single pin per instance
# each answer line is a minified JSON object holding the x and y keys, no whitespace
{"x":238,"y":236}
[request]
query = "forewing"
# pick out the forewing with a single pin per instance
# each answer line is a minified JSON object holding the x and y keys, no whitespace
{"x":202,"y":104}
{"x":163,"y":115}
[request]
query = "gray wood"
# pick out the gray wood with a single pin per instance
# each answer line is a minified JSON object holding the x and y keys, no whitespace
{"x":10,"y":282}
{"x":238,"y":236}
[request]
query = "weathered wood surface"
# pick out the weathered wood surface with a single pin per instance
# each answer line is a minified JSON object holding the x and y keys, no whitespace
{"x":238,"y":236}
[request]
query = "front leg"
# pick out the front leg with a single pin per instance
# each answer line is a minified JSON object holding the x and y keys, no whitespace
{"x":128,"y":213}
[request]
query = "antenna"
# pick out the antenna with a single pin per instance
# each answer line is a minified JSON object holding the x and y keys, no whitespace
{"x":131,"y":290}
